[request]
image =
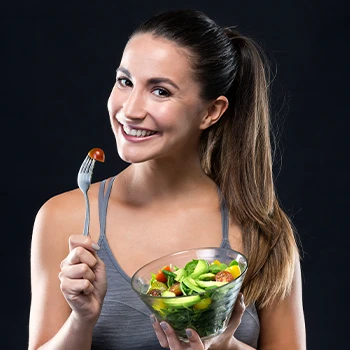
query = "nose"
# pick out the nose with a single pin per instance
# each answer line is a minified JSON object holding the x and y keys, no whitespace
{"x":134,"y":105}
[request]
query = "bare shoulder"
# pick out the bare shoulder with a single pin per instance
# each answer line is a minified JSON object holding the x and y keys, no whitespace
{"x":63,"y":215}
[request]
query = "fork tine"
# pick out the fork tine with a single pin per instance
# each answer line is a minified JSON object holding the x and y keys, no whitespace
{"x":87,"y":165}
{"x":90,"y":166}
{"x":83,"y":164}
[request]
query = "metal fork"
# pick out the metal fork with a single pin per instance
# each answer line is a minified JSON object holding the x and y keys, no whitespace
{"x":84,"y":182}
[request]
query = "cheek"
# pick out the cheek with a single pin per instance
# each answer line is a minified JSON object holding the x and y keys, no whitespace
{"x":113,"y":102}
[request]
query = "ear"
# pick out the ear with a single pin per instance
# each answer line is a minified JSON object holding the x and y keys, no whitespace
{"x":215,"y":110}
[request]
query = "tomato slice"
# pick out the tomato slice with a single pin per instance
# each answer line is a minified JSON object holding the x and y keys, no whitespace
{"x":97,"y":154}
{"x":223,"y":276}
{"x":175,"y":288}
{"x":160,"y":276}
{"x":155,"y":292}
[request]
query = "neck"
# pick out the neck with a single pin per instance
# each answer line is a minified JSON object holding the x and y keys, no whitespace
{"x":165,"y":178}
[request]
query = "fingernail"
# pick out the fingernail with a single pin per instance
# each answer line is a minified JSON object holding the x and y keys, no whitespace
{"x":95,"y":246}
{"x":188,"y":333}
{"x":164,"y":326}
{"x":242,"y":299}
{"x":153,"y":319}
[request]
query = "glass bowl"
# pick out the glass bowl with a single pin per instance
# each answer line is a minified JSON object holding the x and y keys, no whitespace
{"x":208,"y":312}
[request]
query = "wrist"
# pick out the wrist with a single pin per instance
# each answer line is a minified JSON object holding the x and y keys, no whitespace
{"x":82,"y":324}
{"x":228,"y":344}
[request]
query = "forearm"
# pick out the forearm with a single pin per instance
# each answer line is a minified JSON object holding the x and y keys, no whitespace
{"x":234,"y":344}
{"x":238,"y":345}
{"x":73,"y":335}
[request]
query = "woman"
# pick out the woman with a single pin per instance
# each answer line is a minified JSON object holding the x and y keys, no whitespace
{"x":190,"y":113}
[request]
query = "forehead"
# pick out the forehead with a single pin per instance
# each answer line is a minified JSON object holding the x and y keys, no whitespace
{"x":148,"y":55}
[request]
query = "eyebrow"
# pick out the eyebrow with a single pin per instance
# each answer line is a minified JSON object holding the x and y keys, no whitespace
{"x":151,"y":81}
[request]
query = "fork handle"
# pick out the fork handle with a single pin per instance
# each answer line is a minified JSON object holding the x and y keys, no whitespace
{"x":87,"y":216}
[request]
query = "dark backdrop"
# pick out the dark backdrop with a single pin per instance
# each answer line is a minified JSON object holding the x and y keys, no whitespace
{"x":58,"y":66}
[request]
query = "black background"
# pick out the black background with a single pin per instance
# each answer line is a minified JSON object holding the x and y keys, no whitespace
{"x":57,"y":69}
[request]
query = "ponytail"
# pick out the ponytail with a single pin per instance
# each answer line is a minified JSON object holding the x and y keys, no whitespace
{"x":236,"y":153}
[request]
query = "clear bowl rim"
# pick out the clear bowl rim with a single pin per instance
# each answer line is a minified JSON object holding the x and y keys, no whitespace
{"x":188,"y":251}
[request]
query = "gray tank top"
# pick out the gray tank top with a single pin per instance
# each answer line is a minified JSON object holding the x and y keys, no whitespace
{"x":124,"y":322}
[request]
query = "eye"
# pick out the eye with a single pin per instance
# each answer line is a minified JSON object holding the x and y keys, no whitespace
{"x":124,"y":82}
{"x":160,"y":92}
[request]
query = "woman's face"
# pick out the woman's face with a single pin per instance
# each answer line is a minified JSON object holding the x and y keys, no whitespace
{"x":154,"y":107}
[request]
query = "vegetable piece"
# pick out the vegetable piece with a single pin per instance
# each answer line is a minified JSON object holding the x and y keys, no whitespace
{"x":175,"y":288}
{"x":216,"y":262}
{"x":191,"y":283}
{"x":180,"y":274}
{"x":184,"y":302}
{"x":160,"y":276}
{"x":223,"y":276}
{"x":207,"y":277}
{"x":234,"y":270}
{"x":155,"y":292}
{"x":214,"y":268}
{"x":207,"y":284}
{"x":159,"y":285}
{"x":201,"y":267}
{"x":203,"y":304}
{"x":190,"y":266}
{"x":168,"y":294}
{"x":233,"y":262}
{"x":97,"y":154}
{"x":158,"y":305}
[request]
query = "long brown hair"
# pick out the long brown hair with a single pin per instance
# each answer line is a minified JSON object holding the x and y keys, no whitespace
{"x":236,"y":151}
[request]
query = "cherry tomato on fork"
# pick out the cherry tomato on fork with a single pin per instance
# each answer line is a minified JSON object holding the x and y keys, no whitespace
{"x":97,"y":154}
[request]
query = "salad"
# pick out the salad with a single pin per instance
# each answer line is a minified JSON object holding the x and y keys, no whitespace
{"x":191,"y":297}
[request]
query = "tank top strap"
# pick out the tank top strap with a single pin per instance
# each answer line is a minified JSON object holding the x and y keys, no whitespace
{"x":103,"y":197}
{"x":225,"y":219}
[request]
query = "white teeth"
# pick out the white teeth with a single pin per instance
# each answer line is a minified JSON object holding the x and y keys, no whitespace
{"x":137,"y":132}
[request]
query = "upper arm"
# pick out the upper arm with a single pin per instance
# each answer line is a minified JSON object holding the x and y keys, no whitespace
{"x":49,"y":310}
{"x":283,"y":324}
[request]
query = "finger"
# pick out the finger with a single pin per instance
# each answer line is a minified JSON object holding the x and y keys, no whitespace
{"x":163,"y":341}
{"x":195,"y":340}
{"x":174,"y":341}
{"x":77,"y":271}
{"x":83,"y":241}
{"x":237,"y":313}
{"x":79,"y":255}
{"x":72,"y":288}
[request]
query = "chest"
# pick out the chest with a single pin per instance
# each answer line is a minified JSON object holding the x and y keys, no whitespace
{"x":138,"y":235}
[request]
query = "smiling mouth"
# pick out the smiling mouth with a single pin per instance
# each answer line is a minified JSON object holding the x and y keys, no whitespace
{"x":137,"y":132}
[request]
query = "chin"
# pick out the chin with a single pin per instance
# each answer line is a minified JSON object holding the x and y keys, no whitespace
{"x":132,"y":158}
